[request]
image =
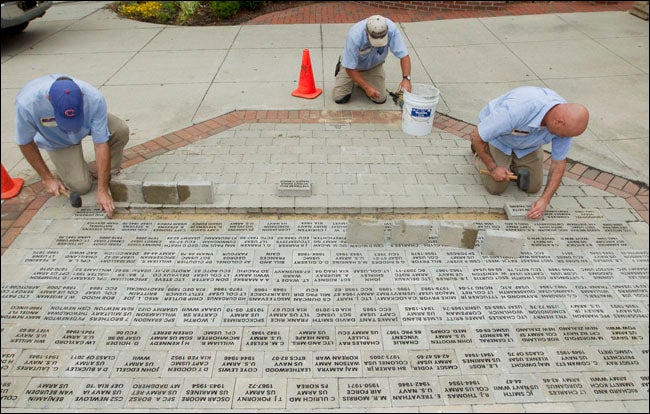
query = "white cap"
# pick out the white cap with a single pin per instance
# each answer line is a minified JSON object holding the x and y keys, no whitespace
{"x":377,"y":31}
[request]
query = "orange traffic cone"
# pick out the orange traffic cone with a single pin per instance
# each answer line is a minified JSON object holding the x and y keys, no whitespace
{"x":306,"y":86}
{"x":10,"y":186}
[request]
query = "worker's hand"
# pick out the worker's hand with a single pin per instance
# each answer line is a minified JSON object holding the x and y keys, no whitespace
{"x":53,"y":186}
{"x":537,"y":209}
{"x":500,"y":174}
{"x":404,"y":85}
{"x":372,"y":92}
{"x":105,"y":203}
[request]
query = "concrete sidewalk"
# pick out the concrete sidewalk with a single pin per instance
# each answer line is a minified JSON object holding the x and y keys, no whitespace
{"x":163,"y":78}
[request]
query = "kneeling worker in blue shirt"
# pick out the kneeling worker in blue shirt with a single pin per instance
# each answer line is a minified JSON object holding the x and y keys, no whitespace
{"x":366,"y":48}
{"x":54,"y":113}
{"x":511,"y":132}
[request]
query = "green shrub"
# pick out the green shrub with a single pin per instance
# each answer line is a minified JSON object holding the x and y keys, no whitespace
{"x":187,"y":9}
{"x":252,"y":5}
{"x":168,"y":10}
{"x":224,"y":9}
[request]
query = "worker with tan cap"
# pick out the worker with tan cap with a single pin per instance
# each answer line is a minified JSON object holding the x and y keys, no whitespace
{"x":366,"y":48}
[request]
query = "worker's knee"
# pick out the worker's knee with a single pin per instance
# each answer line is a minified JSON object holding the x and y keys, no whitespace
{"x":494,"y":187}
{"x":342,"y":91}
{"x":81,"y":186}
{"x":382,"y":98}
{"x":534,"y":187}
{"x":495,"y":190}
{"x":535,"y":182}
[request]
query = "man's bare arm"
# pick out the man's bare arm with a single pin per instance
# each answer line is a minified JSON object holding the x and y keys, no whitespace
{"x":553,"y":181}
{"x":103,"y":160}
{"x":482,"y":149}
{"x":33,"y":156}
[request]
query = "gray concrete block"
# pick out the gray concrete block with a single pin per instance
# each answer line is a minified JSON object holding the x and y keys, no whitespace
{"x":365,"y":231}
{"x":129,"y":191}
{"x":195,"y":192}
{"x":410,"y":231}
{"x":160,"y":192}
{"x":457,"y":235}
{"x":294,"y":188}
{"x":503,"y":243}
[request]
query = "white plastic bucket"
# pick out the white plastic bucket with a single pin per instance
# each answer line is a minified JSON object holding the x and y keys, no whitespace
{"x":419,"y":109}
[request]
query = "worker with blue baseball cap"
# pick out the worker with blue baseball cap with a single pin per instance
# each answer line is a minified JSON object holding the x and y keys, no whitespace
{"x":54,"y":113}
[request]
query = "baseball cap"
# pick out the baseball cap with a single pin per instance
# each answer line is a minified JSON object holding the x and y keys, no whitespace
{"x":377,"y":30}
{"x":67,"y":100}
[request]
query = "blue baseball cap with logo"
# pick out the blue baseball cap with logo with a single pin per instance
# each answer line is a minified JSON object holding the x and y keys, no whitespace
{"x":67,"y":100}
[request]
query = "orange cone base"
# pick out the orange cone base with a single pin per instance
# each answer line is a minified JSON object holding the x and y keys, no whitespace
{"x":14,"y":190}
{"x":307,"y":95}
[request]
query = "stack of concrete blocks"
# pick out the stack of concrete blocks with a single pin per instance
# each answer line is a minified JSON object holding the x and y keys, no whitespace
{"x":457,"y":235}
{"x":410,"y":232}
{"x":162,"y":193}
{"x":503,"y":243}
{"x":365,"y":231}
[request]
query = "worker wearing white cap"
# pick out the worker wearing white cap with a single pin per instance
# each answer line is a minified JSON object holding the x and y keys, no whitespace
{"x":366,"y":48}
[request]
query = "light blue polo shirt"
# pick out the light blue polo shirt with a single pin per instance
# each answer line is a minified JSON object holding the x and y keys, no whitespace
{"x":359,"y":54}
{"x":512,"y":122}
{"x":35,"y":116}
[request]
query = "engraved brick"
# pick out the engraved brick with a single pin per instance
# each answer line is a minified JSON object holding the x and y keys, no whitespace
{"x":516,"y":211}
{"x":294,"y":188}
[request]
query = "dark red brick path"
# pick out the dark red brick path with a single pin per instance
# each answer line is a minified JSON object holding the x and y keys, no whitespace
{"x":352,"y":12}
{"x":18,"y":211}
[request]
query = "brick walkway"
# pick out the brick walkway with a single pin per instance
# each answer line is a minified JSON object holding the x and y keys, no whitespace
{"x":352,"y":12}
{"x":17,"y":212}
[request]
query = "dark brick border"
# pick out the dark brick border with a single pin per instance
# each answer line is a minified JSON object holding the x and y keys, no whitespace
{"x":420,"y":11}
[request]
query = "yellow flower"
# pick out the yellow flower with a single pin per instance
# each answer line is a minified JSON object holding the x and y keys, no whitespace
{"x":145,"y":10}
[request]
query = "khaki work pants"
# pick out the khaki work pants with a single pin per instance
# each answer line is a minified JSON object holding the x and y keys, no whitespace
{"x":376,"y":77}
{"x":71,"y":167}
{"x":533,"y":161}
